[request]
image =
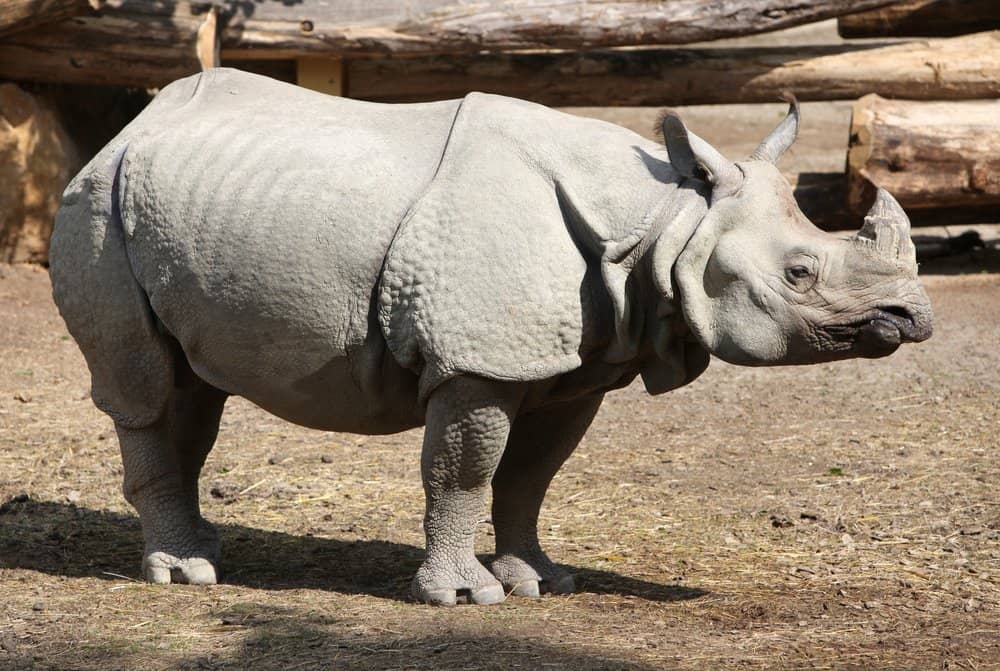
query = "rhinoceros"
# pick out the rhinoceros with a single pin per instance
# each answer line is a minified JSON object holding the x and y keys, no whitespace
{"x":487,"y":268}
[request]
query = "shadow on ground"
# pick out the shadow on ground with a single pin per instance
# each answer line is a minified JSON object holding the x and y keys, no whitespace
{"x":964,"y":254}
{"x":288,"y":640}
{"x":63,"y":539}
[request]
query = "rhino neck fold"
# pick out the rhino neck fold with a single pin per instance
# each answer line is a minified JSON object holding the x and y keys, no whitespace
{"x":552,"y":219}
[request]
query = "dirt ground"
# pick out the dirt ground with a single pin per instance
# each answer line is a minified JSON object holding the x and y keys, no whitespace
{"x":836,"y":516}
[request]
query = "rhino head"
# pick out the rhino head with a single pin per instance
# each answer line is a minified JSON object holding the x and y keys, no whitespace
{"x":761,"y":285}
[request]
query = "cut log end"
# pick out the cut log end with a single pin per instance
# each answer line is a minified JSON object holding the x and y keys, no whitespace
{"x":927,"y":154}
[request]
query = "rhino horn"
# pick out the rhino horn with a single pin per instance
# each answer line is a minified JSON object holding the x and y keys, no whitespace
{"x":782,"y":137}
{"x":887,"y":228}
{"x":689,"y":153}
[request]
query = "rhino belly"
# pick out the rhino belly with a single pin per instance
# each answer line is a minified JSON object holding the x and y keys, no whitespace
{"x":259,"y":240}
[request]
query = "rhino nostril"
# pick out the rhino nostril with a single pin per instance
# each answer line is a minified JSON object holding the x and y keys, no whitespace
{"x":899,"y":311}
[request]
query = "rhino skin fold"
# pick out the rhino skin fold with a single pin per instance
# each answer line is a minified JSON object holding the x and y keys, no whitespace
{"x":485,"y":267}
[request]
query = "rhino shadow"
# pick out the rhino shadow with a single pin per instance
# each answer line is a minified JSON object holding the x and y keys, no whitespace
{"x":279,"y":638}
{"x":64,"y":539}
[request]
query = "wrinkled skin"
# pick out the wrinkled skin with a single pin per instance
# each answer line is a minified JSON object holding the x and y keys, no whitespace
{"x":344,"y":273}
{"x":776,"y":290}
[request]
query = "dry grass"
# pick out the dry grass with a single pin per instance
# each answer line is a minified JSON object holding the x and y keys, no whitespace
{"x":830,"y":517}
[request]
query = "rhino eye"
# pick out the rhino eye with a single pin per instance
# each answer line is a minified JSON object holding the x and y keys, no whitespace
{"x":798,"y":273}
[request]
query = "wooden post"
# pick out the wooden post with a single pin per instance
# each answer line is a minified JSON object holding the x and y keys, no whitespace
{"x":208,"y":44}
{"x":325,"y":75}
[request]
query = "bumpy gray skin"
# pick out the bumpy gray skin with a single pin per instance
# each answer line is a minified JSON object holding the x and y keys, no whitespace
{"x":488,"y":268}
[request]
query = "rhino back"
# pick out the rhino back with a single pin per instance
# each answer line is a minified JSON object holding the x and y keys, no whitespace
{"x":257,"y":217}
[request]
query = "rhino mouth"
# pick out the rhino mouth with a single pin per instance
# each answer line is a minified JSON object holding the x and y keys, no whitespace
{"x":880,"y":331}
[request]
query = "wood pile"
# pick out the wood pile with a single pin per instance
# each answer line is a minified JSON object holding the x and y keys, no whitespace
{"x":572,"y":53}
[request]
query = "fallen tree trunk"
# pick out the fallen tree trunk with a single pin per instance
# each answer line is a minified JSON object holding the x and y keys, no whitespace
{"x":923,"y":18}
{"x":365,"y":28}
{"x":20,"y":15}
{"x":927,"y":154}
{"x":958,"y":68}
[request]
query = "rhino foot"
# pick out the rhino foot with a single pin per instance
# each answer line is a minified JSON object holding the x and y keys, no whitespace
{"x":162,"y":568}
{"x":531,"y":575}
{"x":443,"y":585}
{"x":192,"y":558}
{"x":482,"y":596}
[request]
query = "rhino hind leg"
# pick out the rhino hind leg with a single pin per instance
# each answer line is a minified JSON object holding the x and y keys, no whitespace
{"x":468,"y":421}
{"x":164,"y":429}
{"x":539,"y":443}
{"x":162,"y":465}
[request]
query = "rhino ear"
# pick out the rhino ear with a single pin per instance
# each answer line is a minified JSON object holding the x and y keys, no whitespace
{"x":675,"y":137}
{"x":782,"y":137}
{"x":693,"y":157}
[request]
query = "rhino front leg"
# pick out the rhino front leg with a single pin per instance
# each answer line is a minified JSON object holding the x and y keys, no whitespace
{"x":467,"y":424}
{"x":539,"y":444}
{"x":162,"y":463}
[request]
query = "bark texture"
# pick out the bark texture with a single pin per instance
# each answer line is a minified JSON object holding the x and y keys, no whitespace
{"x":147,"y":43}
{"x":923,"y":18}
{"x":20,"y":15}
{"x":927,"y":154}
{"x":957,"y":68}
{"x":37,"y":160}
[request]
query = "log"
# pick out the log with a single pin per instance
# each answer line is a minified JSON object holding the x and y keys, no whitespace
{"x":380,"y":27}
{"x":37,"y":160}
{"x":927,"y":154}
{"x":822,"y":197}
{"x":20,"y":15}
{"x":957,"y":68}
{"x":923,"y":18}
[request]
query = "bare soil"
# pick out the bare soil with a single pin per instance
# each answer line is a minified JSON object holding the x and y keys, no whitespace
{"x":835,"y":516}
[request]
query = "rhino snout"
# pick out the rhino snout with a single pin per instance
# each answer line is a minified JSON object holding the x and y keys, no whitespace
{"x":887,"y":327}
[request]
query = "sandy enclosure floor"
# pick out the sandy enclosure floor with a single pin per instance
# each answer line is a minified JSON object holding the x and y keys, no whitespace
{"x":835,"y":516}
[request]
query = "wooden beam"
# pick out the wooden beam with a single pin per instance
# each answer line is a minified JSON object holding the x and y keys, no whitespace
{"x":957,"y":68}
{"x":208,"y":44}
{"x":102,"y":64}
{"x":20,"y":15}
{"x":927,"y":154}
{"x":923,"y":18}
{"x":372,"y":27}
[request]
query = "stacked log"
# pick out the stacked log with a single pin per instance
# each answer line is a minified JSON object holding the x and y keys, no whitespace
{"x":927,"y":154}
{"x":20,"y":15}
{"x":149,"y":43}
{"x":957,"y":69}
{"x":923,"y":18}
